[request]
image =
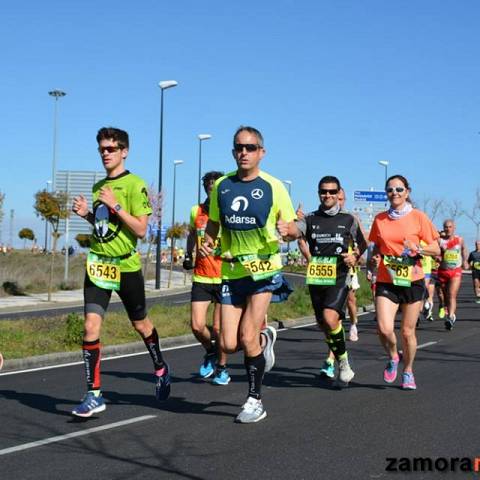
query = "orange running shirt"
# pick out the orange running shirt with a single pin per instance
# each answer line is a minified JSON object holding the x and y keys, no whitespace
{"x":389,"y":235}
{"x":207,"y":269}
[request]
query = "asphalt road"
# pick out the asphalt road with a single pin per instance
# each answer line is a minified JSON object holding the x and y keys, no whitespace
{"x":312,"y":429}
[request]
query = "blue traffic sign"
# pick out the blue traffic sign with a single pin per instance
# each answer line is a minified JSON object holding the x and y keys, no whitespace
{"x":369,"y":196}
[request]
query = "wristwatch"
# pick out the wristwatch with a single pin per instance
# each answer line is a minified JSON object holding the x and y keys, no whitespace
{"x":117,"y":207}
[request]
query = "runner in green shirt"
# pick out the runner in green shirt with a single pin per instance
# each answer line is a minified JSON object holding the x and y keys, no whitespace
{"x":119,"y":218}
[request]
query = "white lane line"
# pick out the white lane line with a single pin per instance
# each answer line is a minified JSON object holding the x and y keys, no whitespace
{"x":81,"y":433}
{"x":423,"y":345}
{"x":126,"y":355}
{"x":114,"y":357}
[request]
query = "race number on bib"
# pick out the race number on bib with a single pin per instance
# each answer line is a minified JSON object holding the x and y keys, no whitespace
{"x":104,"y":271}
{"x":260,"y":268}
{"x":400,"y":269}
{"x":322,"y":271}
{"x":451,"y":257}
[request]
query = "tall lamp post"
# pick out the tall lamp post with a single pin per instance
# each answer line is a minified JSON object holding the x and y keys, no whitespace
{"x":163,"y":86}
{"x":384,"y":163}
{"x":288,"y":183}
{"x":56,"y":94}
{"x":201,"y":138}
{"x":176,"y":163}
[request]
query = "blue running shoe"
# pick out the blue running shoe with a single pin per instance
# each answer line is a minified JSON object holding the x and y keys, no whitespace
{"x":90,"y":405}
{"x":221,"y":377}
{"x":208,"y":366}
{"x":328,"y":369}
{"x":162,"y":385}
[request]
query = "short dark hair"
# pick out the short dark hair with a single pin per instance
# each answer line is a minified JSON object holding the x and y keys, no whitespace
{"x":209,"y":176}
{"x":329,"y":179}
{"x":115,"y":134}
{"x":251,"y":130}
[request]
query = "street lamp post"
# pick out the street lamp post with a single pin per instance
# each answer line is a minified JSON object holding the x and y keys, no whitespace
{"x":288,"y":183}
{"x":46,"y":223}
{"x":384,"y":163}
{"x":55,"y":94}
{"x":176,"y":163}
{"x":201,"y":138}
{"x":163,"y":86}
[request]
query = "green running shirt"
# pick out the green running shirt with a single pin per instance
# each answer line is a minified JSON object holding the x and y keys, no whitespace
{"x":110,"y":237}
{"x":248,"y":212}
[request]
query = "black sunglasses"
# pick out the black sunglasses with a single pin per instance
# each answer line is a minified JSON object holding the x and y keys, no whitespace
{"x":249,"y":147}
{"x":331,"y":191}
{"x":395,"y":189}
{"x":110,"y":149}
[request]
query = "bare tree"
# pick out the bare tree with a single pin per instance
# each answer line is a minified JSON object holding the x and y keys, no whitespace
{"x":454,"y":209}
{"x":433,"y":207}
{"x":474,"y":213}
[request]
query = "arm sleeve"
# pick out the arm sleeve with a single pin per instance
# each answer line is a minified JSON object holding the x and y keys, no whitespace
{"x":193,"y":214}
{"x":302,"y":226}
{"x":357,"y":235}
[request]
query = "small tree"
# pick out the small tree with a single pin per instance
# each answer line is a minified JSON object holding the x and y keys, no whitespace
{"x":83,"y":239}
{"x":156,"y":202}
{"x":2,"y":198}
{"x":52,"y":207}
{"x":179,"y":230}
{"x":26,"y":234}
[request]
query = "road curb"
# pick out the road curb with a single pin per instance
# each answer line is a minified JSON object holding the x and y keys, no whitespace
{"x":52,"y":359}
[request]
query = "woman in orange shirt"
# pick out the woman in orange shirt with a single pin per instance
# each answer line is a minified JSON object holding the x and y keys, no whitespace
{"x":397,"y":234}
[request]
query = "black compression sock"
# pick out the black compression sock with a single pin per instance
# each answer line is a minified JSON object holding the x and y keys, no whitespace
{"x":255,"y":367}
{"x":153,"y":346}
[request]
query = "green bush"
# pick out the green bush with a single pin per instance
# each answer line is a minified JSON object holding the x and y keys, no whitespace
{"x":12,"y":288}
{"x":74,"y":329}
{"x":69,"y":285}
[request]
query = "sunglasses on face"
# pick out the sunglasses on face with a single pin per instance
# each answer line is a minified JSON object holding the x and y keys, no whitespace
{"x":249,"y":147}
{"x":395,"y":189}
{"x":331,"y":191}
{"x":109,"y":149}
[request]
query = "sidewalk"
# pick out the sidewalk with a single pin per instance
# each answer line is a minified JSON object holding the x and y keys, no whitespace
{"x":180,"y":282}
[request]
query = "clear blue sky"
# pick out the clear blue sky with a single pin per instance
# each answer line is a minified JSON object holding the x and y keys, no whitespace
{"x":335,"y":86}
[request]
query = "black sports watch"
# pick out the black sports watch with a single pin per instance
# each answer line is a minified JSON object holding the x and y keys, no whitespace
{"x":117,"y":207}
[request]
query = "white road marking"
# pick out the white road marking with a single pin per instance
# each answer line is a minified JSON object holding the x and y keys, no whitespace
{"x":81,"y":433}
{"x":106,"y":359}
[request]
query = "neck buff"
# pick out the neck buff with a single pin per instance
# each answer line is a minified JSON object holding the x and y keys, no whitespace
{"x":397,"y":214}
{"x":331,"y":211}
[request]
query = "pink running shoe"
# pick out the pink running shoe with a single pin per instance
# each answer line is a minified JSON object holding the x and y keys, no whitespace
{"x":390,"y":372}
{"x":408,"y":381}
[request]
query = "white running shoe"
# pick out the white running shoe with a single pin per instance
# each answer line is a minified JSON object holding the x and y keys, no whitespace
{"x":353,"y":334}
{"x":345,"y":372}
{"x":252,"y":411}
{"x":271,"y":336}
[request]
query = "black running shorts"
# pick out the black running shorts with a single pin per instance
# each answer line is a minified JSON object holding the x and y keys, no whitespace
{"x":206,"y":292}
{"x":400,"y":295}
{"x":330,"y":296}
{"x":132,"y":294}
